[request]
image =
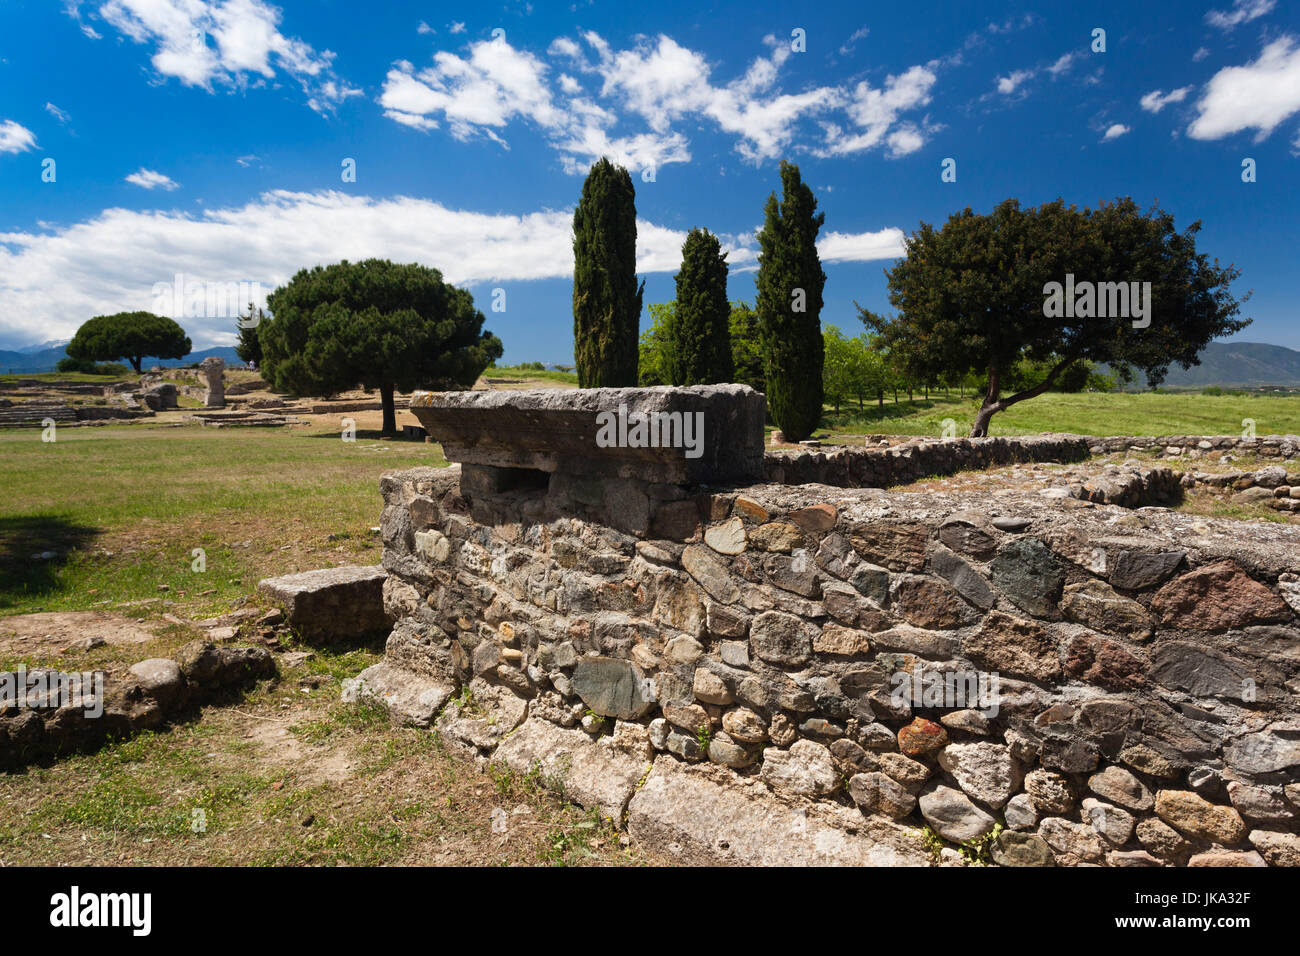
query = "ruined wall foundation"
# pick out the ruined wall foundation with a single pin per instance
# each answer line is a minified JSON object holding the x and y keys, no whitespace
{"x":747,"y":671}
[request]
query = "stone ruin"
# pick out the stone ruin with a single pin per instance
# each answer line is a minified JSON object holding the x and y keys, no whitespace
{"x":213,"y":368}
{"x":739,"y":666}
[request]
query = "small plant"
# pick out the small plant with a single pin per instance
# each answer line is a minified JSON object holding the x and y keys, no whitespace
{"x":976,"y":852}
{"x":704,"y":735}
{"x":931,"y":841}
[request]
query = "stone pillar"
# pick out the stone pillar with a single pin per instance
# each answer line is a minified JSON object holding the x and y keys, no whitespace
{"x":214,"y":369}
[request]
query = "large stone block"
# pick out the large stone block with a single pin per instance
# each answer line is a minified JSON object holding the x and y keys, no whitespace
{"x":705,"y":433}
{"x":332,"y":604}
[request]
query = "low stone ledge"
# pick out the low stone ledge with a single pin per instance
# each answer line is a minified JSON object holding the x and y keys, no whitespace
{"x":411,"y":699}
{"x":705,"y":816}
{"x":687,"y":436}
{"x":331,"y":605}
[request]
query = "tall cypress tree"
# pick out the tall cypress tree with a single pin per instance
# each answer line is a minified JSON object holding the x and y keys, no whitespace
{"x":698,"y":350}
{"x":790,"y":281}
{"x":606,"y":297}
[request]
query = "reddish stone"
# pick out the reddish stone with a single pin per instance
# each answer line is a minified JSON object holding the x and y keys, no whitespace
{"x":929,"y":603}
{"x":1098,"y":661}
{"x":922,"y":737}
{"x":814,"y":518}
{"x":1218,"y":597}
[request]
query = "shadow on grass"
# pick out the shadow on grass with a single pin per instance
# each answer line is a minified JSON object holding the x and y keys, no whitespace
{"x":23,"y":539}
{"x":369,"y":434}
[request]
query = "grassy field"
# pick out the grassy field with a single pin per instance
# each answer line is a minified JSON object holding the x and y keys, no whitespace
{"x":121,"y":509}
{"x":1086,"y":413}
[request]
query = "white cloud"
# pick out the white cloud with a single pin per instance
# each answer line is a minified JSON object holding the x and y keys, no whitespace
{"x":209,"y":43}
{"x":58,"y":114}
{"x":15,"y":138}
{"x":861,"y":247}
{"x":1243,"y":11}
{"x":851,"y":43}
{"x":1115,"y":131}
{"x":1200,"y":54}
{"x":118,"y":256}
{"x":456,"y":26}
{"x":424,"y":28}
{"x":1011,"y":82}
{"x":149,"y":179}
{"x":1157,"y":100}
{"x":1260,"y":95}
{"x":658,"y":83}
{"x":1062,"y":65}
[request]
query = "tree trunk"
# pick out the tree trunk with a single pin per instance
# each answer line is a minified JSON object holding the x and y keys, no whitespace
{"x":135,"y":363}
{"x":989,"y":406}
{"x":880,"y":399}
{"x":389,"y":429}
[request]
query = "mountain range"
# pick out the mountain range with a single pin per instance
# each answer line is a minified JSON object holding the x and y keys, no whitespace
{"x":46,"y":359}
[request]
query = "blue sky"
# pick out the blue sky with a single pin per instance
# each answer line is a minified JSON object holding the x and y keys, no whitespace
{"x":208,"y":138}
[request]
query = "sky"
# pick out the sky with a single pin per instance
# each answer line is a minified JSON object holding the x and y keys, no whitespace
{"x":156,"y":147}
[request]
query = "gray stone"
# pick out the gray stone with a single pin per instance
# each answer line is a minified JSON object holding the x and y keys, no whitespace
{"x":613,"y":687}
{"x":1073,"y":843}
{"x":965,"y":580}
{"x":332,"y":604}
{"x":409,"y":698}
{"x":724,"y":750}
{"x":780,"y":638}
{"x":161,"y":679}
{"x":704,"y":815}
{"x":711,"y":574}
{"x":1259,"y":803}
{"x":1050,"y":792}
{"x":953,"y":816}
{"x":1263,"y":752}
{"x":726,"y":538}
{"x":1027,"y":572}
{"x":1021,"y":849}
{"x":1135,"y":570}
{"x":591,"y":773}
{"x":1119,"y":786}
{"x":1020,"y":813}
{"x":807,"y":769}
{"x":874,"y":792}
{"x":567,"y":430}
{"x":985,"y":771}
{"x":1112,"y":823}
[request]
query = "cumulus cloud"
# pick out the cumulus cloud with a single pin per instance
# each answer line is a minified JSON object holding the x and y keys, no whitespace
{"x":1114,"y":131}
{"x":149,"y":179}
{"x":1259,"y":96}
{"x":119,"y":256}
{"x":1157,"y":100}
{"x":1012,"y":81}
{"x":1243,"y":11}
{"x":230,"y":43}
{"x":15,"y":138}
{"x":632,"y":102}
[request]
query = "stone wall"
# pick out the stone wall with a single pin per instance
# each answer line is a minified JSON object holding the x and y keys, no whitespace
{"x":916,"y":458}
{"x":769,"y":673}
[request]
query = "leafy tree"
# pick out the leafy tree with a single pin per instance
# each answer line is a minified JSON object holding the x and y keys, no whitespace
{"x":746,"y":347}
{"x":971,"y":296}
{"x":698,"y":347}
{"x":249,"y":346}
{"x":376,"y":324}
{"x":133,"y":336}
{"x":651,"y":364}
{"x":790,"y":281}
{"x":606,"y":297}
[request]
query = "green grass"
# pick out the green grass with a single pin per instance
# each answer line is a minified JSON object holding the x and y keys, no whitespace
{"x":1086,"y":413}
{"x":125,"y":507}
{"x":516,"y":371}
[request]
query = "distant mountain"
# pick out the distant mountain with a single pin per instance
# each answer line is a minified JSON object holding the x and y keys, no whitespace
{"x":47,"y":359}
{"x":1239,"y":364}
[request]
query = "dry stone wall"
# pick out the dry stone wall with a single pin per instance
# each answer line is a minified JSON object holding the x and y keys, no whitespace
{"x":765,"y":673}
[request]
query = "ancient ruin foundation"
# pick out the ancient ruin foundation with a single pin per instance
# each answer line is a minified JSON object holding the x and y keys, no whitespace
{"x":739,"y":667}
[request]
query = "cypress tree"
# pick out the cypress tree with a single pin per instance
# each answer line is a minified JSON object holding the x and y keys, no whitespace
{"x":790,"y":281}
{"x":699,"y":338}
{"x":606,"y":297}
